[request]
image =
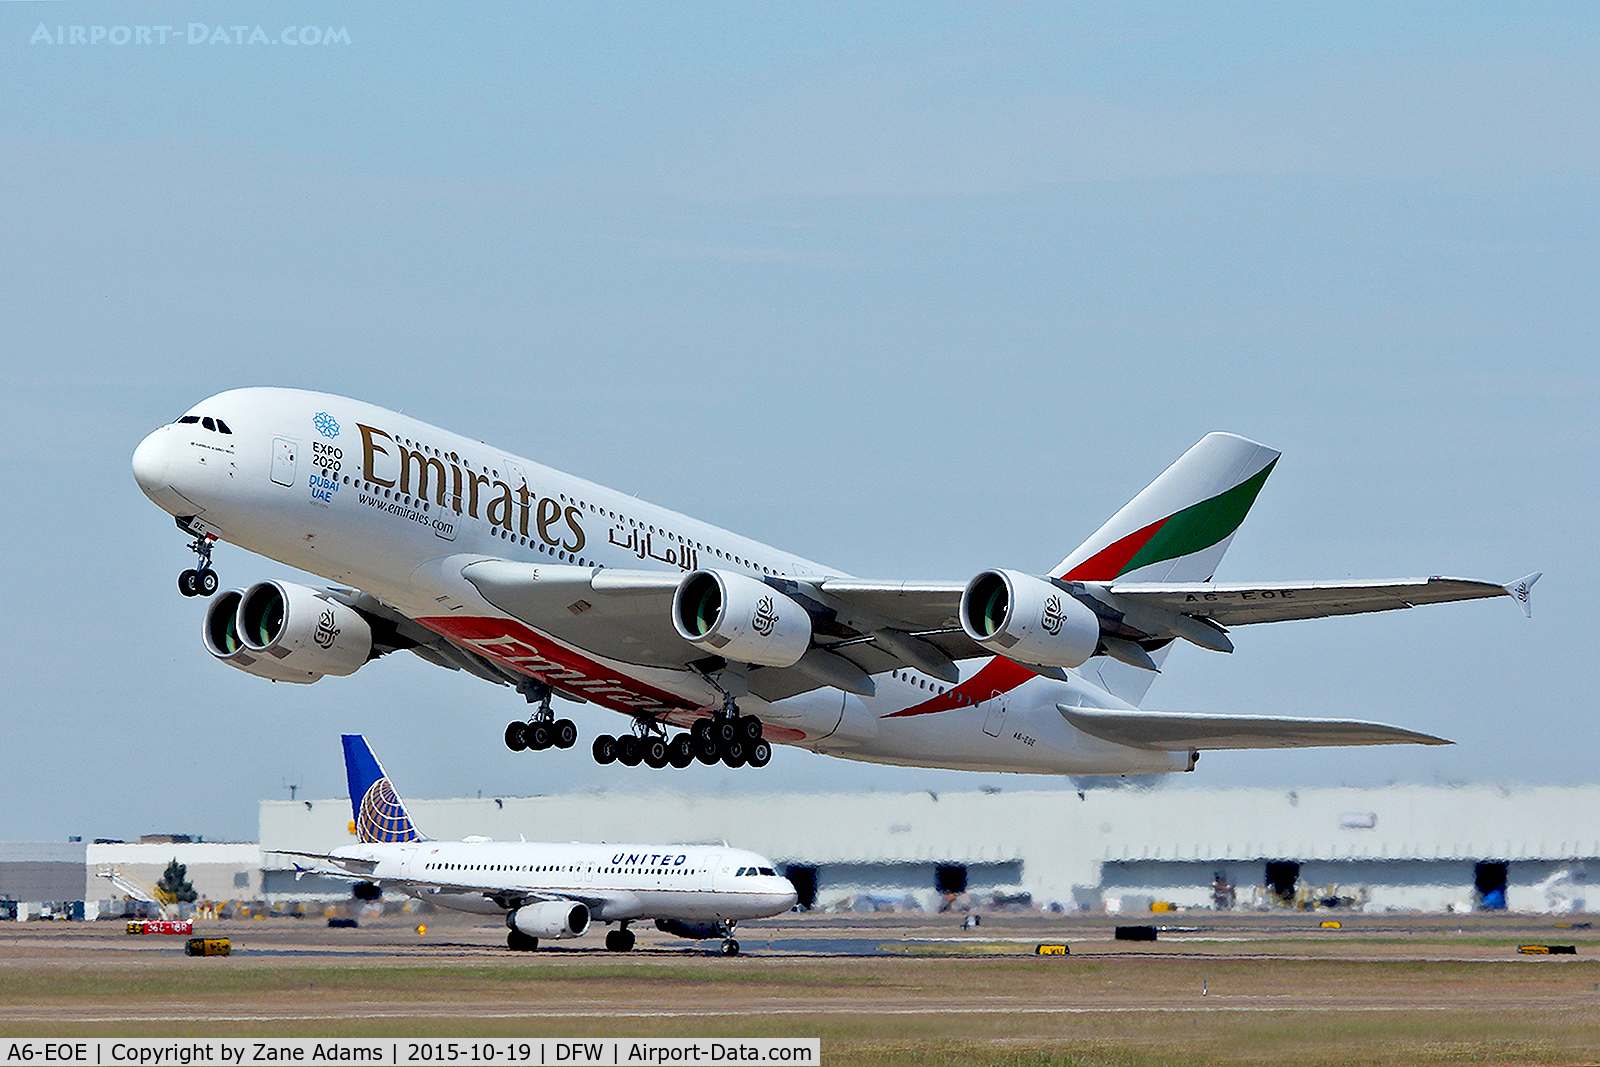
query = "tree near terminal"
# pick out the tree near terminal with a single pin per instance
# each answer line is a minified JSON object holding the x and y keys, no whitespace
{"x":175,"y":881}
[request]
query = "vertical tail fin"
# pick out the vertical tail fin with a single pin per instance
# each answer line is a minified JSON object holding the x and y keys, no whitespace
{"x":379,"y":813}
{"x":1178,"y":528}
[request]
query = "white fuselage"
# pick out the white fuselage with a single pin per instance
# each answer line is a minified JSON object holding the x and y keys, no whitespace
{"x":619,"y":882}
{"x":396,"y":507}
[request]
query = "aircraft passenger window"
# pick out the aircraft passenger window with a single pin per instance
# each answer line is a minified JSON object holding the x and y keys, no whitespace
{"x":223,"y":427}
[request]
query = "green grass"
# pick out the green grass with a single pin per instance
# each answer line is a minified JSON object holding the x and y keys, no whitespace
{"x":1003,"y":1007}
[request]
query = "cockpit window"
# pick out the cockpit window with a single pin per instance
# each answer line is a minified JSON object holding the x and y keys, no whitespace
{"x":767,"y":871}
{"x":214,"y":425}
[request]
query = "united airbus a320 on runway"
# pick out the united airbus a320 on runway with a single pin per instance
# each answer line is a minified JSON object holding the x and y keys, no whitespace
{"x":549,"y":890}
{"x":482,"y":561}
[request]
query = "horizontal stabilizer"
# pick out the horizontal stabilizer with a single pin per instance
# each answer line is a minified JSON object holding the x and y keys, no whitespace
{"x":1178,"y":732}
{"x":357,"y":865}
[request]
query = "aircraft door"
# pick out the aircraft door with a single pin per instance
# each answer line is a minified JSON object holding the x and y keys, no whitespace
{"x":284,"y":453}
{"x":995,"y":720}
{"x":708,"y":871}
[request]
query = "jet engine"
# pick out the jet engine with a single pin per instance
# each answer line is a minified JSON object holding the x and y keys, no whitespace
{"x":695,"y":931}
{"x":221,"y":634}
{"x":1028,"y":619}
{"x":286,"y":632}
{"x":740,"y":619}
{"x":550,"y":918}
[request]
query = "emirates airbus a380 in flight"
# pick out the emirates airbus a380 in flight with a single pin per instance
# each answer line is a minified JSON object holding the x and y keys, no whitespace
{"x":479,"y":560}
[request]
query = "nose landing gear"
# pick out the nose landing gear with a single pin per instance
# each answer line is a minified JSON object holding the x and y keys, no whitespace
{"x":200,"y":580}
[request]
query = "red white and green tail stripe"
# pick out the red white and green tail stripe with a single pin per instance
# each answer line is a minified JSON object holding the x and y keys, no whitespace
{"x":1178,"y":528}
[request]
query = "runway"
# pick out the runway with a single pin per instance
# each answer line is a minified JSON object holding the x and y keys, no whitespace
{"x":875,"y":988}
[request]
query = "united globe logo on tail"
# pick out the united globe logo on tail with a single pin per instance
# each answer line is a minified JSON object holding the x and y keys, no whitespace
{"x":383,"y":817}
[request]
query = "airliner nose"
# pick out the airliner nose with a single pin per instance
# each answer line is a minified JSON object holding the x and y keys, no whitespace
{"x":150,"y":462}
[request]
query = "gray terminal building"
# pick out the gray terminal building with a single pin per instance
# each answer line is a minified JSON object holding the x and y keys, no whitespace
{"x":1422,"y":848}
{"x":1427,"y":848}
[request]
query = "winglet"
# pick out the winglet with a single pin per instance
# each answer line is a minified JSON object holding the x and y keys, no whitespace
{"x":1521,"y":591}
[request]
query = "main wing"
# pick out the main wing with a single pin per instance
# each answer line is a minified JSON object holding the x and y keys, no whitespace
{"x":858,"y":628}
{"x":1240,"y":605}
{"x":361,"y":869}
{"x":862,"y":627}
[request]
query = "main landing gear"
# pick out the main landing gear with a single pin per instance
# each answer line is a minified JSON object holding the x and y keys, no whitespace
{"x":200,"y":580}
{"x":620,"y":940}
{"x":732,"y":739}
{"x":542,"y":729}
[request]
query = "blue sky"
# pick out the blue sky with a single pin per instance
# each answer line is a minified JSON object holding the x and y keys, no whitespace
{"x":917,"y":290}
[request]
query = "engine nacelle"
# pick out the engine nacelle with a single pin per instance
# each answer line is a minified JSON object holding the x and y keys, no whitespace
{"x":695,"y":931}
{"x":740,"y":619}
{"x":287,"y":632}
{"x":221,"y":635}
{"x":550,"y":918}
{"x":1028,"y":619}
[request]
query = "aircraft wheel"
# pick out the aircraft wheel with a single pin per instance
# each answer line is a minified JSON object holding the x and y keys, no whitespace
{"x":654,"y":752}
{"x":750,"y":728}
{"x":706,"y":750}
{"x":189,"y":583}
{"x":629,"y":750}
{"x":735,"y":753}
{"x":516,"y":736}
{"x":700,"y":730}
{"x":725,"y":730}
{"x":517,"y":941}
{"x":206,"y":584}
{"x":681,"y":752}
{"x":605,"y":749}
{"x":538,"y":736}
{"x":620,"y":941}
{"x":564,"y":733}
{"x":730,"y":947}
{"x":760,"y":754}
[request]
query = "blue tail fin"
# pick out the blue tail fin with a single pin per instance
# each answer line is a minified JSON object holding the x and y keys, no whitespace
{"x":379,"y":813}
